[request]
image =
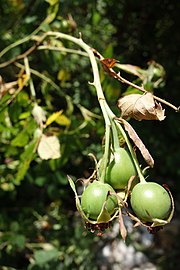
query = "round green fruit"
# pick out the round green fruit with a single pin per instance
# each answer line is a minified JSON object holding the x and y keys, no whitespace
{"x":120,"y":169}
{"x":94,"y":197}
{"x":150,"y":201}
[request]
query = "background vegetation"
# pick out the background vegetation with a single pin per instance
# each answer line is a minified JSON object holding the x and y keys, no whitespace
{"x":39,"y":225}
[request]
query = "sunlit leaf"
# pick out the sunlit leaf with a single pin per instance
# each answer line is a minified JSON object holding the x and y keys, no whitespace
{"x":52,"y":2}
{"x":63,"y":120}
{"x":141,"y":107}
{"x":39,"y":114}
{"x":22,"y":79}
{"x":24,"y":115}
{"x":53,"y":117}
{"x":104,"y":215}
{"x":49,"y":147}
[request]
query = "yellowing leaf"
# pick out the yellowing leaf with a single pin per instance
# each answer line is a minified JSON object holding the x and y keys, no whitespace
{"x":22,"y":80}
{"x":141,"y":107}
{"x":63,"y":75}
{"x":53,"y":117}
{"x":63,"y":120}
{"x":49,"y":147}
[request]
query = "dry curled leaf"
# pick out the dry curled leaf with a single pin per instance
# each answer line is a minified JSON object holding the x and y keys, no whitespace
{"x":141,"y":107}
{"x":138,"y":142}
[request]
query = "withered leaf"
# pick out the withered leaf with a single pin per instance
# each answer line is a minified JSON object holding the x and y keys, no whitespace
{"x":141,"y":107}
{"x":108,"y":62}
{"x":138,"y":142}
{"x":122,"y":227}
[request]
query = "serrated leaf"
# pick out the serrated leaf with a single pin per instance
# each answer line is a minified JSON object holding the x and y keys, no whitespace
{"x":49,"y":147}
{"x":53,"y":117}
{"x":141,"y":107}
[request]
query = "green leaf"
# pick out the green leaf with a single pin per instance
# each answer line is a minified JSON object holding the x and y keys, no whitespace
{"x":18,"y":240}
{"x":15,"y":226}
{"x":104,"y":216}
{"x":24,"y":115}
{"x":40,"y":181}
{"x":52,"y":2}
{"x":23,"y":99}
{"x":21,"y":139}
{"x":63,"y":120}
{"x":26,"y":159}
{"x":14,"y":111}
{"x":43,"y":256}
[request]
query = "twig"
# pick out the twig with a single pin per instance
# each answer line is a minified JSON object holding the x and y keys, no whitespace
{"x":108,"y":69}
{"x":62,"y":49}
{"x":117,"y":76}
{"x":121,"y":79}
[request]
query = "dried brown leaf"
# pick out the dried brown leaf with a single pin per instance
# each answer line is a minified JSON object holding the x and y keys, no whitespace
{"x":141,"y":107}
{"x":138,"y":142}
{"x":122,"y":227}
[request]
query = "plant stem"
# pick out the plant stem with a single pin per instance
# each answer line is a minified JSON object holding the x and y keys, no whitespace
{"x":97,"y":84}
{"x":62,"y":49}
{"x":107,"y":113}
{"x":115,"y":137}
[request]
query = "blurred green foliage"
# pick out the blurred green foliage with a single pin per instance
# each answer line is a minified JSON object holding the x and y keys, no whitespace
{"x":39,"y":228}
